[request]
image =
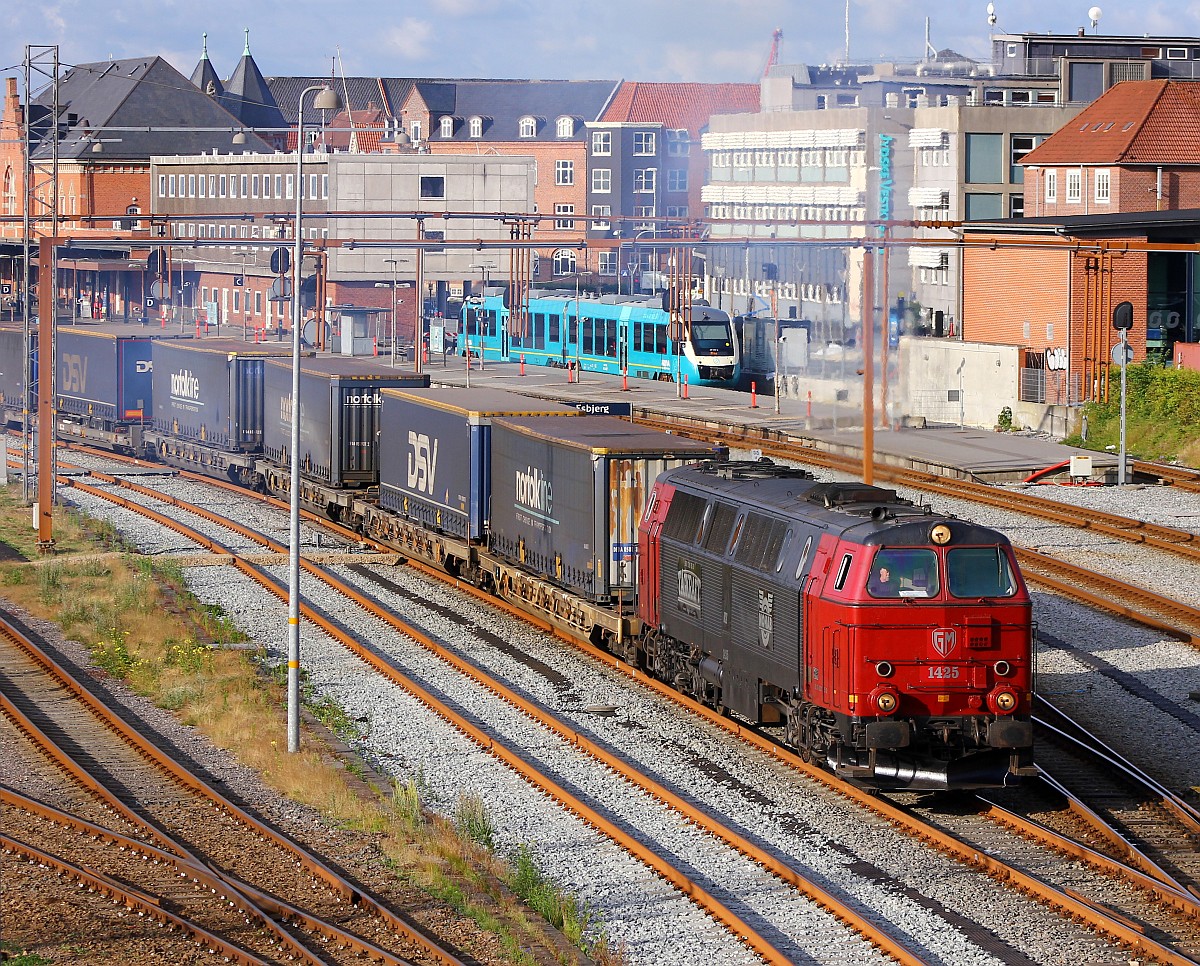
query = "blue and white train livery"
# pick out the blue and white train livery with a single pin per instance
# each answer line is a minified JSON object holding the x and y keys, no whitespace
{"x":612,"y":333}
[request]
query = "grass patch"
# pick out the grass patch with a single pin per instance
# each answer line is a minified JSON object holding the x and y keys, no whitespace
{"x":125,"y":608}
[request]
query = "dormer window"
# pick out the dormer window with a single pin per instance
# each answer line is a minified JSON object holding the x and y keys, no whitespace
{"x":447,"y":127}
{"x":565,"y":128}
{"x":476,"y":126}
{"x":528,"y":127}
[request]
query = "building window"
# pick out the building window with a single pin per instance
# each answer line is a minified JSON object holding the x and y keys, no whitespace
{"x":561,"y":221}
{"x":564,"y":172}
{"x":643,"y":211}
{"x":1021,"y":145}
{"x":254,"y":186}
{"x":1074,"y":187}
{"x":1016,"y":206}
{"x":312,"y":186}
{"x":984,"y":206}
{"x":447,"y":127}
{"x":476,"y":127}
{"x":565,"y":127}
{"x":201,"y":185}
{"x":564,"y":262}
{"x":162,"y":185}
{"x":679,"y":143}
{"x":677,"y":211}
{"x":601,"y":180}
{"x":171,"y":186}
{"x":527,"y":127}
{"x":291,"y":186}
{"x":433,"y":186}
{"x":643,"y":143}
{"x":245,"y":185}
{"x":191,"y":192}
{"x":677,"y":179}
{"x":212,"y":185}
{"x":324,"y":186}
{"x":414,"y":131}
{"x":983,"y":158}
{"x":1051,"y":180}
{"x":600,"y":217}
{"x":606,"y":262}
{"x":1103,"y":186}
{"x":602,"y":143}
{"x":644,"y":180}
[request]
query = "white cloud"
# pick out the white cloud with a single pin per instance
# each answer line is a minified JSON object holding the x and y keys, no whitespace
{"x":411,"y":38}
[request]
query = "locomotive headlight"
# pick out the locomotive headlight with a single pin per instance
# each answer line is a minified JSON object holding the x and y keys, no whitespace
{"x":884,"y":669}
{"x":940,"y":534}
{"x":886,"y":700}
{"x":1002,"y":701}
{"x":1003,"y":669}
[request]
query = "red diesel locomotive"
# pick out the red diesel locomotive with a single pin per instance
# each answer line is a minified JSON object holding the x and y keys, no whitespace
{"x":889,"y":642}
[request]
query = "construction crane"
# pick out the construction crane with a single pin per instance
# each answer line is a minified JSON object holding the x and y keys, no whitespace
{"x":773,"y":55}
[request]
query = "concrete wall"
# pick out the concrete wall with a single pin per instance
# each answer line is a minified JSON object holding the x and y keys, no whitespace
{"x":948,"y":381}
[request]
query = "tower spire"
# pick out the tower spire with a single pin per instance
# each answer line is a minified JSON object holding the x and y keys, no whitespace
{"x":246,"y":52}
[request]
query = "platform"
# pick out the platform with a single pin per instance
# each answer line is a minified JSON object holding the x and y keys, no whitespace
{"x":964,"y":453}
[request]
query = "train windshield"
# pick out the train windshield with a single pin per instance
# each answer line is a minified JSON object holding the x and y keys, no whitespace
{"x":710,"y":336}
{"x":979,"y":572}
{"x":907,"y":572}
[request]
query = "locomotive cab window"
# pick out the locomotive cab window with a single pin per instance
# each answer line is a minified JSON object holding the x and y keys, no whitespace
{"x":979,"y":572}
{"x":904,"y":573}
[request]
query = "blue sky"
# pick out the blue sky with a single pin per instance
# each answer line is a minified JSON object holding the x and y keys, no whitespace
{"x":663,"y":40}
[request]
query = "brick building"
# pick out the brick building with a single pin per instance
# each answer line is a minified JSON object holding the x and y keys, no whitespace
{"x":113,"y":117}
{"x":1112,"y":198}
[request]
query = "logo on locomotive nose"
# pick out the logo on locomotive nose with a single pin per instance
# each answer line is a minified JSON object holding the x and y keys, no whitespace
{"x":766,"y":618}
{"x":943,"y":640}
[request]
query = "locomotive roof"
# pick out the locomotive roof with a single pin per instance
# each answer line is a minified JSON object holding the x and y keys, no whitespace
{"x":482,"y":402}
{"x":608,"y":434}
{"x":880,"y":513}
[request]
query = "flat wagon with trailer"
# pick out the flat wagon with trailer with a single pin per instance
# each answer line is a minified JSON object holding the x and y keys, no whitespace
{"x":436,"y":474}
{"x":208,"y":405}
{"x":341,"y":402}
{"x":104,"y":386}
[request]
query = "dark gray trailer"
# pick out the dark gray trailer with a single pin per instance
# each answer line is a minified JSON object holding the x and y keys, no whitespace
{"x":568,"y":494}
{"x":104,"y":372}
{"x":436,"y":470}
{"x":340,"y":404}
{"x":211,"y":391}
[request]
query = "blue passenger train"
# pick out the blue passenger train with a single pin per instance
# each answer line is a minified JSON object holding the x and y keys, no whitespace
{"x":612,"y":333}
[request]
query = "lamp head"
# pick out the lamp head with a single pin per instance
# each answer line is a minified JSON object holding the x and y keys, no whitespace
{"x":327,"y":100}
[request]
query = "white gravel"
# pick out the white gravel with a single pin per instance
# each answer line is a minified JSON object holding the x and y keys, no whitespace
{"x":850,"y":852}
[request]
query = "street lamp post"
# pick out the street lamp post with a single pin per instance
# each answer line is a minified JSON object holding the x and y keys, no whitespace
{"x":326,"y":100}
{"x":394,"y":262}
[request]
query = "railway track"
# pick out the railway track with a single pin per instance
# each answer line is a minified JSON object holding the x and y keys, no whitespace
{"x":1146,"y":824}
{"x":592,"y":813}
{"x":278,"y":901}
{"x":1106,"y":920}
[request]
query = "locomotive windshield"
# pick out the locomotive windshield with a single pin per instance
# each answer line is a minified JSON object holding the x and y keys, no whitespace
{"x":907,"y":572}
{"x":709,"y":336}
{"x":979,"y":572}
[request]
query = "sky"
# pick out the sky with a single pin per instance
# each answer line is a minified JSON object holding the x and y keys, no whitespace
{"x":648,"y":40}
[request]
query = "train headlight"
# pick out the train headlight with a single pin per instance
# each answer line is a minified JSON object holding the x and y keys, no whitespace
{"x":1003,"y":669}
{"x":1003,"y":701}
{"x":884,"y":669}
{"x":886,"y":700}
{"x":940,"y":534}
